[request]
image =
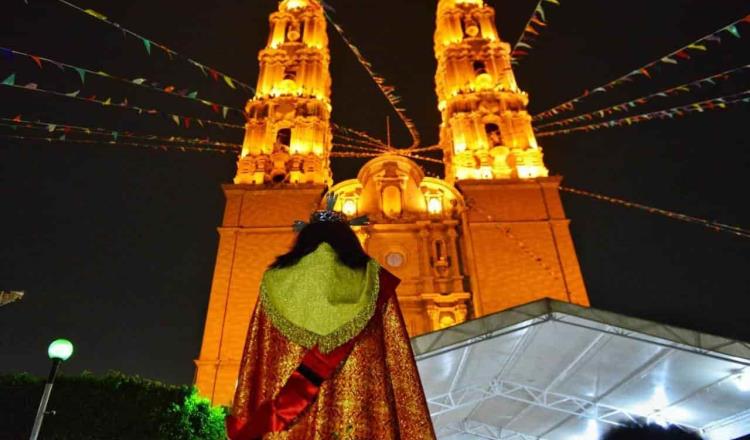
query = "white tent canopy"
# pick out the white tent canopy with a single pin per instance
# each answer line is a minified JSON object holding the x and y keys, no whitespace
{"x":553,"y":370}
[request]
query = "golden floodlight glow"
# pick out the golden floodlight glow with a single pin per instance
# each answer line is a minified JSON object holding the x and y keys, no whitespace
{"x":530,"y":172}
{"x":350,"y":207}
{"x":485,"y":172}
{"x":296,"y":4}
{"x":434,"y":205}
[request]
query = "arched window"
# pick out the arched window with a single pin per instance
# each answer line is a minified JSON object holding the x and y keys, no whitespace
{"x":493,"y":134}
{"x":284,"y":136}
{"x":290,"y":72}
{"x":479,"y":67}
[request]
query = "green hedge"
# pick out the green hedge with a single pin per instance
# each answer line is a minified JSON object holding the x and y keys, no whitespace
{"x":113,"y":406}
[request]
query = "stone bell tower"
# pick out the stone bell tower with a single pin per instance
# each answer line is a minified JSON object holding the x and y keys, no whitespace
{"x":515,"y":237}
{"x":281,"y":174}
{"x":288,"y":131}
{"x":486,"y":131}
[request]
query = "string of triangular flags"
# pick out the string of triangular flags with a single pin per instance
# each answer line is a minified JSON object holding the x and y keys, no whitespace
{"x":8,"y":54}
{"x":149,"y":45}
{"x":670,"y":113}
{"x":353,"y":155}
{"x":414,"y":156}
{"x":387,"y":90}
{"x":65,"y":129}
{"x":357,"y":147}
{"x":648,"y":70}
{"x":531,"y":31}
{"x":626,"y":106}
{"x":178,"y":119}
{"x":402,"y":152}
{"x":710,"y":224}
{"x":359,"y":142}
{"x":99,"y":142}
{"x":508,"y":232}
{"x":361,"y":134}
{"x":430,"y":148}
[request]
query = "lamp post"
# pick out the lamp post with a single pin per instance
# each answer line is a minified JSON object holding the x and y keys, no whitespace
{"x":59,"y":351}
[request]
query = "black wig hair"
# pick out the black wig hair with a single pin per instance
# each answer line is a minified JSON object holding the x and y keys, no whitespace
{"x":339,"y":235}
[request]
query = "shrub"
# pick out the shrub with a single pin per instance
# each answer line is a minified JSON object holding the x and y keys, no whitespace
{"x":113,"y":406}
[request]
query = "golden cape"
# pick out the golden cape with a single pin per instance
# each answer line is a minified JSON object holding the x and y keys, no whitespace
{"x":375,"y":394}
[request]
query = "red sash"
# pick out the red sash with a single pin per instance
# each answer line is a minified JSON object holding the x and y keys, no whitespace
{"x":303,"y":386}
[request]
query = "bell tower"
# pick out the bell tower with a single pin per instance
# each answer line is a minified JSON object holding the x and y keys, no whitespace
{"x":288,"y":132}
{"x":281,"y":174}
{"x":486,"y":131}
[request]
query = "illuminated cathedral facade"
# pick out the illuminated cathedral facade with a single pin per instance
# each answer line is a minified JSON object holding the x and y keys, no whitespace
{"x":490,"y":236}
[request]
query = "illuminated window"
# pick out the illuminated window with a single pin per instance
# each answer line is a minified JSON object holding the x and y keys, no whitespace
{"x":296,"y":4}
{"x":434,"y":205}
{"x":447,"y":320}
{"x":349,"y":208}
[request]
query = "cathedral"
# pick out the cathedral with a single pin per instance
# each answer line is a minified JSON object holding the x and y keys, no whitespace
{"x":489,"y":236}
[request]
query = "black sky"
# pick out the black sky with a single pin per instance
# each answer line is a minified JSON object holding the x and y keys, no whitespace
{"x":115,"y":246}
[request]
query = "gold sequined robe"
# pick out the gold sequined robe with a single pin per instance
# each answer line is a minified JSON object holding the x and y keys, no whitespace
{"x":375,"y":394}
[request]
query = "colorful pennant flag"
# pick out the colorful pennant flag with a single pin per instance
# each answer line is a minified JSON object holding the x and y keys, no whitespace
{"x":37,"y":61}
{"x":713,"y":225}
{"x":625,"y":106}
{"x":142,"y":82}
{"x":670,"y":113}
{"x":10,"y":81}
{"x":539,"y":19}
{"x":146,"y":42}
{"x":683,"y":53}
{"x":229,"y":82}
{"x":81,"y":73}
{"x":388,"y":92}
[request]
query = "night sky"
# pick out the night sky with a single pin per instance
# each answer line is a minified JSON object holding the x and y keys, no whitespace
{"x":115,"y":245}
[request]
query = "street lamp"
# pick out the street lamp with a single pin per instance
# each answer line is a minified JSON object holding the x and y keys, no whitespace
{"x":59,"y":351}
